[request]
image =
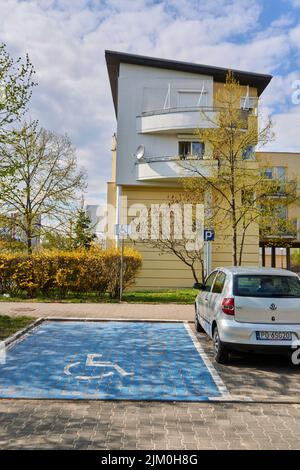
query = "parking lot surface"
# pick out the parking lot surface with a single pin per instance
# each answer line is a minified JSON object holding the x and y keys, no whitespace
{"x":109,"y":360}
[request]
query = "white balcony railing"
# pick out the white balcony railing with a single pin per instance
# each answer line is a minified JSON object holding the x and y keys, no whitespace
{"x":172,"y":167}
{"x":172,"y":120}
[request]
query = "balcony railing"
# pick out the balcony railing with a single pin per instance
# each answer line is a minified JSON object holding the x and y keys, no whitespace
{"x":172,"y":167}
{"x":171,"y":158}
{"x":183,"y":118}
{"x":204,"y":109}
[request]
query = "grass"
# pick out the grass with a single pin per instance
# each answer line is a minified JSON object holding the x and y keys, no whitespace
{"x":180,"y":296}
{"x":10,"y":325}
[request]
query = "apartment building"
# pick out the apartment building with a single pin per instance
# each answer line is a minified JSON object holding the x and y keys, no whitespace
{"x":157,"y":104}
{"x":284,"y":166}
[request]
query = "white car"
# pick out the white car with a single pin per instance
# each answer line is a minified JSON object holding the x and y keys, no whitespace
{"x":249,"y":309}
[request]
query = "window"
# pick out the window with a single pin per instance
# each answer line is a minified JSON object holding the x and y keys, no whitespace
{"x":187,"y":148}
{"x":268,"y":173}
{"x":219,"y":283}
{"x":266,"y":286}
{"x":209,"y":281}
{"x":248,"y":102}
{"x":191,"y":98}
{"x":248,"y":153}
{"x":276,"y":172}
{"x":281,"y":212}
{"x":279,"y":172}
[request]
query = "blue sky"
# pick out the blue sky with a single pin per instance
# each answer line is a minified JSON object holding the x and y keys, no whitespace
{"x":66,"y":40}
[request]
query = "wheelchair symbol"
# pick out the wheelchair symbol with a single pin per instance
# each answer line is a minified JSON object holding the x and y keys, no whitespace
{"x":91,"y":362}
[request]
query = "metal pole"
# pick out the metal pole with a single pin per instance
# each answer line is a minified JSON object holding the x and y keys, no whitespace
{"x":121,"y":268}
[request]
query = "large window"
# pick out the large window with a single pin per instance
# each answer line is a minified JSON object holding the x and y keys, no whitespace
{"x":275,"y":172}
{"x":190,"y":149}
{"x":266,"y":286}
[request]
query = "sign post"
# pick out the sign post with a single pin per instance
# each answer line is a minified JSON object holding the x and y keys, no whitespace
{"x":208,"y":236}
{"x":122,"y":231}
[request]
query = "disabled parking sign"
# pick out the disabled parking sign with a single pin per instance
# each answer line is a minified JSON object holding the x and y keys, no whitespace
{"x":91,"y":362}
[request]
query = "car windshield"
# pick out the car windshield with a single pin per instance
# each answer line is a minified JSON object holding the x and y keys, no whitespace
{"x":249,"y":285}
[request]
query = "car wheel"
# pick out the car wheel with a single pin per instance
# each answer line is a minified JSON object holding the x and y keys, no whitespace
{"x":198,"y":326}
{"x":221,"y":353}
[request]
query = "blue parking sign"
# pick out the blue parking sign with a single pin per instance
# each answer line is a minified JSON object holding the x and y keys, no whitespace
{"x":209,"y":235}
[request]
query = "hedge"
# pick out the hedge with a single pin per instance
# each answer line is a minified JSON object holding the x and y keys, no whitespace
{"x":62,"y":272}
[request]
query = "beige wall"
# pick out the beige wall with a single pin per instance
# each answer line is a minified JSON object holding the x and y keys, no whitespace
{"x":159,"y":271}
{"x":163,"y":271}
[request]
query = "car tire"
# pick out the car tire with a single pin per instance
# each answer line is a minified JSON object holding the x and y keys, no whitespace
{"x":221,"y":352}
{"x":198,"y":326}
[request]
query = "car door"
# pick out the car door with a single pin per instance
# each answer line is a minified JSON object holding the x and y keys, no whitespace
{"x":203,"y":300}
{"x":215,"y":295}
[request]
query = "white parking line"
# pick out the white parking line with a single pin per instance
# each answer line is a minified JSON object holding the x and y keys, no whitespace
{"x":217,"y":379}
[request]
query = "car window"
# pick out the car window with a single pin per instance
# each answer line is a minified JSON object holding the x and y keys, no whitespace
{"x":266,"y":286}
{"x":219,"y":283}
{"x":209,"y":281}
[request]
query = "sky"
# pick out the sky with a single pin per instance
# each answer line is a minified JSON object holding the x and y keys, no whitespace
{"x":66,"y":40}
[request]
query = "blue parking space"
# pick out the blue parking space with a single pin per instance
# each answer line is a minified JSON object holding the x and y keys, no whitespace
{"x":107,"y":360}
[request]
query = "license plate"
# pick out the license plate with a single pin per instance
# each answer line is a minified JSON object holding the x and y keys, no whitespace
{"x":274,"y":335}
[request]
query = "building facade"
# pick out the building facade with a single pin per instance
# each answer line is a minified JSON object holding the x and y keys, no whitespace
{"x":157,"y":104}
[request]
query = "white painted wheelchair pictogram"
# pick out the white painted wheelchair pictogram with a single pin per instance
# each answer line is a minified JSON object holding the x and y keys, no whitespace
{"x":91,"y":362}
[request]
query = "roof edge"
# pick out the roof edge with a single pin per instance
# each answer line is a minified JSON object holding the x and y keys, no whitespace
{"x":115,"y":58}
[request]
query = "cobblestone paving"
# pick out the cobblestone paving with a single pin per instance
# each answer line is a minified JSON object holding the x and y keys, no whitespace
{"x":125,"y":425}
{"x":258,"y":377}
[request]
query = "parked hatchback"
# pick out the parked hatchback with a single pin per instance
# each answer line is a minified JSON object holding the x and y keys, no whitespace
{"x":249,"y":309}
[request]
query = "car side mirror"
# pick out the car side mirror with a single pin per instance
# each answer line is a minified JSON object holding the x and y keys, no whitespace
{"x":198,"y":285}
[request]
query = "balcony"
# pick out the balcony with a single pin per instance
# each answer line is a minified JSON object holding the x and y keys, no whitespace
{"x":168,"y":168}
{"x":172,"y":120}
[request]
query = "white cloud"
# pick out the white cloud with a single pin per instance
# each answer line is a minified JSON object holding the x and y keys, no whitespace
{"x":66,"y":41}
{"x":286,"y":128}
{"x":295,"y":3}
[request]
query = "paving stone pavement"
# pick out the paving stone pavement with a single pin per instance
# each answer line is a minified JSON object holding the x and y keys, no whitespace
{"x":147,"y":425}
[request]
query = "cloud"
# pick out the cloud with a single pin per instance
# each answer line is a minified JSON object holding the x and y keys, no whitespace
{"x":66,"y":42}
{"x":295,"y":3}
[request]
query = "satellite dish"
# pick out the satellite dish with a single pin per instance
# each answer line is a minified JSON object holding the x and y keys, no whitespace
{"x":140,"y":152}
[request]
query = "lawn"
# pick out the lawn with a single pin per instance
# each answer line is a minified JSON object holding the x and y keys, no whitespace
{"x":180,"y":296}
{"x":10,"y":325}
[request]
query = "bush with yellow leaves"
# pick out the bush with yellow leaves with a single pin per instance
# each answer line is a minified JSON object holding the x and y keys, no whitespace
{"x":57,"y":273}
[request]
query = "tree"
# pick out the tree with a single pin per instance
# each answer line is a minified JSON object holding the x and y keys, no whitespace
{"x":83,"y":235}
{"x":58,"y":240}
{"x":240,"y":194}
{"x":42,"y":187}
{"x":16,"y":84}
{"x":182,"y":243}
